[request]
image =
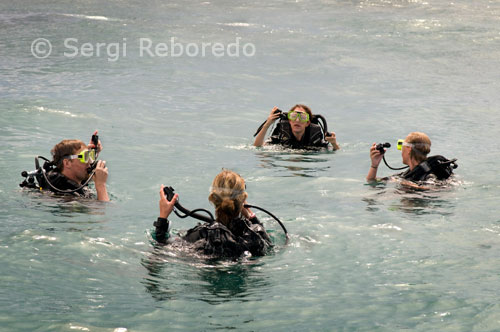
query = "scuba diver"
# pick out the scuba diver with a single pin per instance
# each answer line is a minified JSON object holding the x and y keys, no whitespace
{"x":72,"y":167}
{"x":233,"y":232}
{"x":414,"y":150}
{"x":297,"y":129}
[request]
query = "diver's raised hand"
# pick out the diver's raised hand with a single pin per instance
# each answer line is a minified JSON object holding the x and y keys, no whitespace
{"x":375,"y":155}
{"x":91,"y":144}
{"x":332,"y":139}
{"x":100,"y":178}
{"x":101,"y":173}
{"x":166,"y":206}
{"x":272,"y":116}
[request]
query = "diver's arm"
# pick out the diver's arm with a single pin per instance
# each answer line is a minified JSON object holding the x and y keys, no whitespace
{"x":162,"y":223}
{"x":247,"y":213}
{"x":375,"y":157}
{"x":166,"y":206}
{"x":100,"y":178}
{"x":332,"y":139}
{"x":259,"y":139}
{"x":413,"y":185}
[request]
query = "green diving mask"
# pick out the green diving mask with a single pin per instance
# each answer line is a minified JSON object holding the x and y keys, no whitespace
{"x":303,"y":116}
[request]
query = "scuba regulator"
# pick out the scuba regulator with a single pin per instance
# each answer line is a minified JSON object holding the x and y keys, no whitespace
{"x":169,"y":193}
{"x":95,"y":141}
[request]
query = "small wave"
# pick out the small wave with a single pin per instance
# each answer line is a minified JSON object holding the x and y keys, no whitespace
{"x":44,"y":237}
{"x":91,"y":17}
{"x":387,"y":226}
{"x":240,"y":147}
{"x":236,"y":24}
{"x":49,"y":110}
{"x":42,"y":109}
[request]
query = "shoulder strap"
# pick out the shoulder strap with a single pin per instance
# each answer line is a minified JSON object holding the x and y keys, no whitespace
{"x":281,"y":133}
{"x":316,"y":136}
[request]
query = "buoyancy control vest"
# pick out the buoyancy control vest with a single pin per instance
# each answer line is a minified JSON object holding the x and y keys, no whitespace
{"x":61,"y":182}
{"x":217,"y":239}
{"x":313,"y":136}
{"x":437,"y":165}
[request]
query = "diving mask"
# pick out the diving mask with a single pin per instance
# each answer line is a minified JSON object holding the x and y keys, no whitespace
{"x":85,"y":156}
{"x":401,"y":143}
{"x":303,"y":116}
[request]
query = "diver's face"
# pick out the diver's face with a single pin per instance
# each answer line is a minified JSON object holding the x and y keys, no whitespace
{"x":78,"y":168}
{"x":298,"y":127}
{"x":405,"y":154}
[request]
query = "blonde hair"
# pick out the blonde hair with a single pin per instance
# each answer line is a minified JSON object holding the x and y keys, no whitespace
{"x":65,"y":148}
{"x":227,"y":194}
{"x":421,"y":145}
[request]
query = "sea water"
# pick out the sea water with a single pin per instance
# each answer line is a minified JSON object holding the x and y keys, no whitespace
{"x":359,"y":258}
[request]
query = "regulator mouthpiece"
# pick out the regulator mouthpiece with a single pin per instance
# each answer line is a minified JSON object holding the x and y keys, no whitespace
{"x":381,"y":146}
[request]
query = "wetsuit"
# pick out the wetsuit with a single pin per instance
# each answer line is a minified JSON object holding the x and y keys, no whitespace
{"x":216,"y":239}
{"x":62,"y":182}
{"x":312,"y":138}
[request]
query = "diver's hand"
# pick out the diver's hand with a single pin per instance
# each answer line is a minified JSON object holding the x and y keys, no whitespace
{"x":166,"y":206}
{"x":272,"y":117}
{"x":91,"y":145}
{"x":259,"y":140}
{"x":246,"y":212}
{"x":375,"y":156}
{"x":413,"y":185}
{"x":332,"y":139}
{"x":101,"y":173}
{"x":100,"y":177}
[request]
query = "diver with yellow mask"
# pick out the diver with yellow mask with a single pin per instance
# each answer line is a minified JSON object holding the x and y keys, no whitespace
{"x":414,"y":150}
{"x":72,"y":167}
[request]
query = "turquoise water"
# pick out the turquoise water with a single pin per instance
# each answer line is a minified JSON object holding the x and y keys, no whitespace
{"x":360,"y":258}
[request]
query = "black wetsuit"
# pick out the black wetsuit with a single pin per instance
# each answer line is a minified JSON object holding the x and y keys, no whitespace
{"x":61,"y":182}
{"x":312,"y":138}
{"x":218,"y":240}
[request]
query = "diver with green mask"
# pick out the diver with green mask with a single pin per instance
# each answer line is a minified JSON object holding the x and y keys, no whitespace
{"x":297,"y":129}
{"x":414,"y":150}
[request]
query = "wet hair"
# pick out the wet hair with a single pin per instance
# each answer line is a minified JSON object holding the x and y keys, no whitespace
{"x":227,"y":194}
{"x":305,"y":108}
{"x":65,"y":148}
{"x":422,"y":145}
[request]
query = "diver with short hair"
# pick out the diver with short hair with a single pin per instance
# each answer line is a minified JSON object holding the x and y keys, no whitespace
{"x":297,"y":131}
{"x":72,"y":167}
{"x":235,"y":231}
{"x":414,"y":150}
